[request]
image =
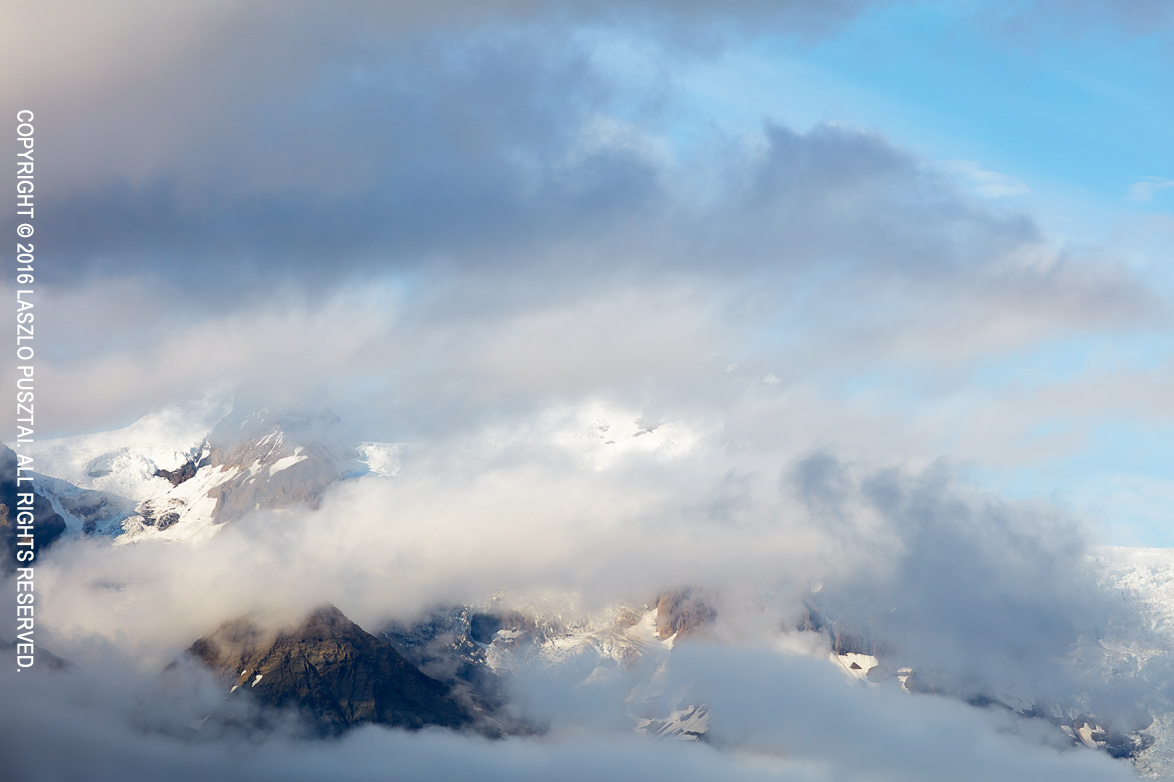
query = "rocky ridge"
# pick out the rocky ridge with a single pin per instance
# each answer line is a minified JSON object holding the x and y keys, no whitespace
{"x":331,"y":672}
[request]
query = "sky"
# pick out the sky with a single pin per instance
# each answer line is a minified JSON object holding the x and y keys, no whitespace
{"x":876,"y":294}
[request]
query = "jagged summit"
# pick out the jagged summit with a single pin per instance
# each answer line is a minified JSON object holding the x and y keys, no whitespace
{"x":181,"y":472}
{"x":334,"y":673}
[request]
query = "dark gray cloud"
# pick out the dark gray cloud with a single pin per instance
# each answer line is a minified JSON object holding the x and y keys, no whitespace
{"x":347,"y":137}
{"x":410,"y":159}
{"x":257,"y":159}
{"x":992,"y":594}
{"x":988,"y":600}
{"x":480,"y":154}
{"x":522,"y":276}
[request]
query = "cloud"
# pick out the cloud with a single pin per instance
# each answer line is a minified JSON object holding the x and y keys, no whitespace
{"x":803,"y":710}
{"x":833,"y":250}
{"x":253,"y":158}
{"x":1132,"y":18}
{"x":947,"y":579}
{"x":1146,"y":189}
{"x":988,"y":184}
{"x":991,"y":593}
{"x":227,"y":141}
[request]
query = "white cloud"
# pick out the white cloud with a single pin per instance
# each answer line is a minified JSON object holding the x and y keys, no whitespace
{"x":1146,"y":189}
{"x":988,"y":184}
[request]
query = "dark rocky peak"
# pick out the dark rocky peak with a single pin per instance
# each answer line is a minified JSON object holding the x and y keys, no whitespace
{"x":329,"y":670}
{"x":187,"y":470}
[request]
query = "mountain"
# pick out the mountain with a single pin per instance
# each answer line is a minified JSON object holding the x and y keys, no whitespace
{"x":47,"y":525}
{"x":680,"y":613}
{"x":181,"y":472}
{"x":331,"y":672}
{"x":478,"y":648}
{"x":258,"y":461}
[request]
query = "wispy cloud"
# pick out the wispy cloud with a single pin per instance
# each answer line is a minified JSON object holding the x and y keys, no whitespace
{"x":1147,"y":188}
{"x":988,"y":184}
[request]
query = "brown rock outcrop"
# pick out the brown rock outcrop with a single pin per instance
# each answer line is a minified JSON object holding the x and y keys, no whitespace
{"x":331,"y":671}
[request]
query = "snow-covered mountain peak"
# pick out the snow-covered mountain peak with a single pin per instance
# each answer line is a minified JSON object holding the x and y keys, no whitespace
{"x":182,"y":470}
{"x":125,"y":461}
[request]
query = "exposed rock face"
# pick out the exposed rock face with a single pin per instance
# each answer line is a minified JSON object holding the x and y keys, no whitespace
{"x":1087,"y":730}
{"x":47,"y":524}
{"x":185,"y":472}
{"x":681,"y":613}
{"x":279,"y":461}
{"x":331,"y":671}
{"x":158,"y":514}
